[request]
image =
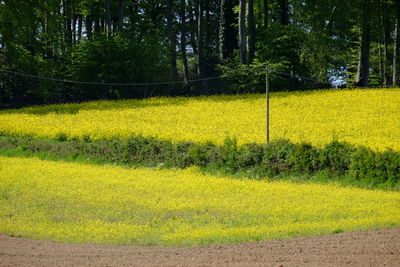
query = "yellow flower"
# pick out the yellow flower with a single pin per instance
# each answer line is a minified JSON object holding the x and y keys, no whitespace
{"x":105,"y":204}
{"x":363,"y":117}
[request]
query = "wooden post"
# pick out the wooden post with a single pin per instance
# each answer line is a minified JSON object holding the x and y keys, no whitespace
{"x":267,"y":102}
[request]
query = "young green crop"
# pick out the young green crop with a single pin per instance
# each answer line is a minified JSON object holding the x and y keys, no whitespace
{"x":84,"y":203}
{"x":363,"y":117}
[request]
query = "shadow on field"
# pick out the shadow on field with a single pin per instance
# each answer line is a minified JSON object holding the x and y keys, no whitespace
{"x":73,"y":108}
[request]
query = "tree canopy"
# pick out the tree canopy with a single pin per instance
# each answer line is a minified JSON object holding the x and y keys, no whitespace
{"x":104,"y":42}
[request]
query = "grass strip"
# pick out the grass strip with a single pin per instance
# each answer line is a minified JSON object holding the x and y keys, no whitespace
{"x":341,"y":162}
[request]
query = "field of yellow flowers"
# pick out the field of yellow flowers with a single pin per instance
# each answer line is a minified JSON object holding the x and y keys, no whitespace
{"x":73,"y":202}
{"x":362,"y":117}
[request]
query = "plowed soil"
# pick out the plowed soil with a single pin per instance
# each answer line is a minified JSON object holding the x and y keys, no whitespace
{"x":365,"y":248}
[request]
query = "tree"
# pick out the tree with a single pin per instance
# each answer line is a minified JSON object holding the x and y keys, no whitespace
{"x":283,"y":12}
{"x":172,"y":39}
{"x":120,"y":19}
{"x":252,"y":31}
{"x":80,"y":22}
{"x":182,"y":12}
{"x":125,"y":41}
{"x":192,"y":10}
{"x":385,"y":33}
{"x":200,"y":39}
{"x":265,"y":9}
{"x":362,"y":77}
{"x":227,"y":31}
{"x":396,"y":47}
{"x":242,"y":31}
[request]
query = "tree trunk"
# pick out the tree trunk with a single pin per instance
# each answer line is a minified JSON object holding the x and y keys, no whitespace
{"x":200,"y":39}
{"x":222,"y":29}
{"x":329,"y":25}
{"x":79,"y":27}
{"x":396,"y":52}
{"x":365,"y":42}
{"x":97,"y":25}
{"x":266,"y":14}
{"x":74,"y":30}
{"x":132,"y":11}
{"x":67,"y":26}
{"x":89,"y":26}
{"x":242,"y":31}
{"x":192,"y":23}
{"x":206,"y":7}
{"x":182,"y":11}
{"x":227,"y":31}
{"x":172,"y":39}
{"x":67,"y":16}
{"x":102,"y":25}
{"x":380,"y":60}
{"x":252,"y":31}
{"x":3,"y":43}
{"x":47,"y":40}
{"x":385,"y":31}
{"x":74,"y":20}
{"x":120,"y":14}
{"x":284,"y":11}
{"x":107,"y":26}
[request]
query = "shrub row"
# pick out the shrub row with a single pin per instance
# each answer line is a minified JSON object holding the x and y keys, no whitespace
{"x":256,"y":160}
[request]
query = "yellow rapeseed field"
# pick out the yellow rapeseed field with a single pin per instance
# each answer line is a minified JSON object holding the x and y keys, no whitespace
{"x":106,"y":204}
{"x":363,"y":117}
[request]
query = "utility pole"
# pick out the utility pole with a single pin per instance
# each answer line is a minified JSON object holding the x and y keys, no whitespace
{"x":267,"y":102}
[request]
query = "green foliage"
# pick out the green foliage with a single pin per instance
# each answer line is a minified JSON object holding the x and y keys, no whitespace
{"x":241,"y":78}
{"x":229,"y":152}
{"x":249,"y":156}
{"x":375,"y":168}
{"x":306,"y":158}
{"x":281,"y":48}
{"x":120,"y":59}
{"x":281,"y":44}
{"x":338,"y":231}
{"x":357,"y":165}
{"x":62,"y":137}
{"x":71,"y":40}
{"x":277,"y":157}
{"x":203,"y":155}
{"x":337,"y":157}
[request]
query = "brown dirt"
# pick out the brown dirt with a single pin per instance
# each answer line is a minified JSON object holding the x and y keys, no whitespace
{"x":365,"y":248}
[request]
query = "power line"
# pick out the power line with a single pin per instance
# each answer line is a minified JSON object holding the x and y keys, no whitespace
{"x":298,"y":77}
{"x":148,"y":84}
{"x":108,"y":84}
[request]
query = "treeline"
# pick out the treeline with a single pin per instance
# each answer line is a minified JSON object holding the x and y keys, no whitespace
{"x":350,"y":43}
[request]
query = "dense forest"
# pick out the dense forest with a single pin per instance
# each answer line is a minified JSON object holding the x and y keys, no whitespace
{"x":113,"y":49}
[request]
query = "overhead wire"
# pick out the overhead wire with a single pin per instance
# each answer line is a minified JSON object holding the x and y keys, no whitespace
{"x":108,"y":84}
{"x":151,"y":83}
{"x":298,"y":77}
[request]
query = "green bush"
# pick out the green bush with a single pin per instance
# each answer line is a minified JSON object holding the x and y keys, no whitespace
{"x":375,"y":168}
{"x":337,"y":157}
{"x":203,"y":155}
{"x":276,"y":158}
{"x":336,"y":160}
{"x":249,"y":156}
{"x":305,"y":158}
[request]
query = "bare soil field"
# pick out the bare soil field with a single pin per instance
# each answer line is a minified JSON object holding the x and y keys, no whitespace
{"x":364,"y":248}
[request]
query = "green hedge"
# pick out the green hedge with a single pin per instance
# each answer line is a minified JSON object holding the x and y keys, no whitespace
{"x":337,"y":160}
